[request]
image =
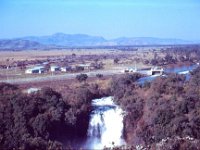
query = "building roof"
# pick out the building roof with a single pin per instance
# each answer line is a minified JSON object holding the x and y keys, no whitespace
{"x":36,"y":68}
{"x":84,"y":65}
{"x":55,"y":67}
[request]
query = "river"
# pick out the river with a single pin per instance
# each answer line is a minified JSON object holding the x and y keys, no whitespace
{"x":185,"y":70}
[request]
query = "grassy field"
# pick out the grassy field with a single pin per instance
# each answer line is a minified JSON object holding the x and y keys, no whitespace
{"x":127,"y":59}
{"x":42,"y":54}
{"x":33,"y":54}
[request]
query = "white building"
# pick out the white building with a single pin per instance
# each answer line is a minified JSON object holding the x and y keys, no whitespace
{"x":146,"y":71}
{"x":32,"y":90}
{"x":157,"y":70}
{"x":85,"y":66}
{"x":128,"y":70}
{"x":37,"y":69}
{"x":65,"y":69}
{"x":54,"y":68}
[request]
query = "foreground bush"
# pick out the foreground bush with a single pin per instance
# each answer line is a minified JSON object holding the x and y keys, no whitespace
{"x":168,"y":108}
{"x":43,"y":120}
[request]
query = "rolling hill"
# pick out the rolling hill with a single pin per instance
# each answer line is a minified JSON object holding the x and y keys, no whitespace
{"x":61,"y":40}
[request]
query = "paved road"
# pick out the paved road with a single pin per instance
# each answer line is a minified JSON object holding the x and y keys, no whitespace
{"x":61,"y":77}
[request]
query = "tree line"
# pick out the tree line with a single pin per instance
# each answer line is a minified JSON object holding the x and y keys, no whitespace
{"x":163,"y":114}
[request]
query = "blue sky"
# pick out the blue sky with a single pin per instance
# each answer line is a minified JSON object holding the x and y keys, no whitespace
{"x":107,"y":18}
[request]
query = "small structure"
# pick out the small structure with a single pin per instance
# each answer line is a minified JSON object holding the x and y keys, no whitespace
{"x":65,"y":69}
{"x":32,"y":90}
{"x":129,"y":70}
{"x":54,"y":68}
{"x":37,"y":69}
{"x":146,"y":71}
{"x":85,"y":66}
{"x":157,"y":70}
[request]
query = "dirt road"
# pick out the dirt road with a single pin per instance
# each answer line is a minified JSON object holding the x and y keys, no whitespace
{"x":60,"y":77}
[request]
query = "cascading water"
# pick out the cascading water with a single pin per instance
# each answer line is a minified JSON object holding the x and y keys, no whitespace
{"x":106,"y":125}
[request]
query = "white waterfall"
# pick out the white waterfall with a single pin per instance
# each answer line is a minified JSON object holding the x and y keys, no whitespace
{"x":106,"y":125}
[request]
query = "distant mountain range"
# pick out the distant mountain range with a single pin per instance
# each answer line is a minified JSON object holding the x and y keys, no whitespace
{"x":61,"y":40}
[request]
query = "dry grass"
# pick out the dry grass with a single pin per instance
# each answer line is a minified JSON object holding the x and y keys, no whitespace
{"x":129,"y":61}
{"x":43,"y":54}
{"x":62,"y":86}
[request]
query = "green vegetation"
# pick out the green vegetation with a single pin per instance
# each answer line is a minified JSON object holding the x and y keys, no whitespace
{"x":163,"y":114}
{"x":99,"y":76}
{"x":167,"y":110}
{"x":43,"y":120}
{"x":82,"y":77}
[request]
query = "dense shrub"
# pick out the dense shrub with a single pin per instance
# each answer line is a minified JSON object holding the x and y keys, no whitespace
{"x":165,"y":109}
{"x":82,"y":77}
{"x":120,"y":84}
{"x":43,"y":120}
{"x":173,"y":84}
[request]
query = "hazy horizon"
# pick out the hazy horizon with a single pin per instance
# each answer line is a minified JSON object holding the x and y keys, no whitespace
{"x":19,"y":37}
{"x":109,"y":19}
